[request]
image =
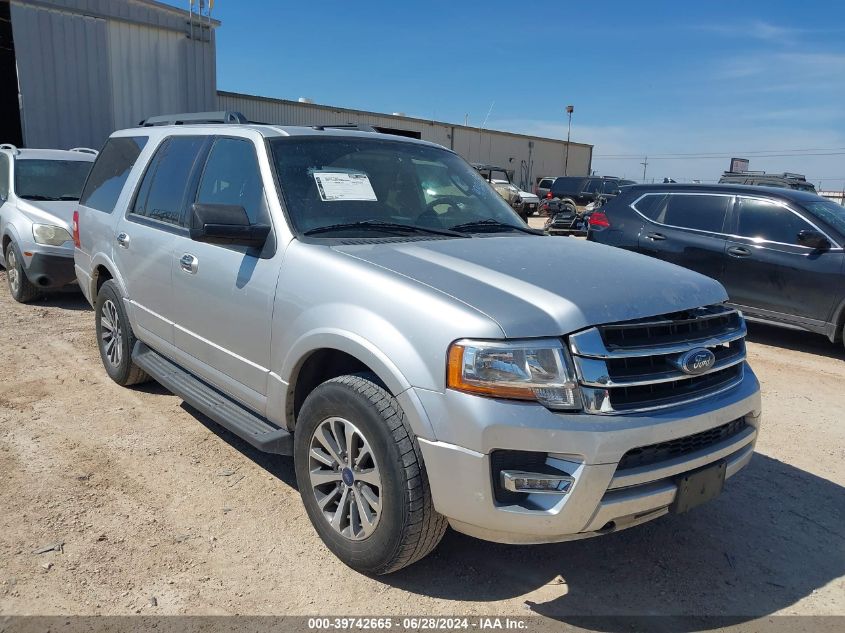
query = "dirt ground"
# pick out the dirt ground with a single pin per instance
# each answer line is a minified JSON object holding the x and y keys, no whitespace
{"x":158,"y":511}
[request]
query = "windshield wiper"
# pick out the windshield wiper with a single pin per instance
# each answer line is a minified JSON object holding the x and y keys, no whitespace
{"x":378,"y":225}
{"x":36,"y":196}
{"x":494,"y":226}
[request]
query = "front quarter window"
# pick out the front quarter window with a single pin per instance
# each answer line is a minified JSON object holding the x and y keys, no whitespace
{"x":371,"y":187}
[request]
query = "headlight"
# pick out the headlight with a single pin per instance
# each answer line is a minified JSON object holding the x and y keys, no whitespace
{"x":49,"y":234}
{"x":525,"y":370}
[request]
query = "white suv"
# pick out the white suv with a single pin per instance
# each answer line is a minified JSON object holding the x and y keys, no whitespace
{"x":39,"y":190}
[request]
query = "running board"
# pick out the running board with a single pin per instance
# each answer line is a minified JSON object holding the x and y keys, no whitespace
{"x":227,"y":413}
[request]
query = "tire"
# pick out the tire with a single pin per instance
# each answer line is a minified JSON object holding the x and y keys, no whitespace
{"x":20,"y":287}
{"x":403,"y":525}
{"x":115,"y":339}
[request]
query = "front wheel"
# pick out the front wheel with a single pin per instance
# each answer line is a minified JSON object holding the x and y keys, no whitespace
{"x":20,"y":287}
{"x":361,"y":476}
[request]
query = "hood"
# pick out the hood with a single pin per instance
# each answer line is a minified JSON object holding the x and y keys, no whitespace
{"x":545,"y":286}
{"x":528,"y":197}
{"x":58,"y":213}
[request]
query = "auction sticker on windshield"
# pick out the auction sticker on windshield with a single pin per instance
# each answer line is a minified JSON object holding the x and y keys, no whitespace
{"x":338,"y":185}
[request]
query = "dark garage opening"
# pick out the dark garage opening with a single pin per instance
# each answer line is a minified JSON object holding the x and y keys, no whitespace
{"x":10,"y":114}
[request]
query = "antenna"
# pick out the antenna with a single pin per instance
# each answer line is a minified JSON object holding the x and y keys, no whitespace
{"x":492,"y":103}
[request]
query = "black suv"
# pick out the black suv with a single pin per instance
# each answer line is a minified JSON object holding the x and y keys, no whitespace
{"x":762,"y":179}
{"x":582,"y":190}
{"x":778,"y":252}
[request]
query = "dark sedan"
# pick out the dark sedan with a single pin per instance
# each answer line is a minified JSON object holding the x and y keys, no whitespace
{"x":778,"y":252}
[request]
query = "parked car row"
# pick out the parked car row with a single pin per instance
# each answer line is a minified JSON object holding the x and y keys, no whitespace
{"x":362,"y":302}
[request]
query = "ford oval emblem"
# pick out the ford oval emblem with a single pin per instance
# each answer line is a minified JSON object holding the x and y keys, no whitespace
{"x":696,"y":361}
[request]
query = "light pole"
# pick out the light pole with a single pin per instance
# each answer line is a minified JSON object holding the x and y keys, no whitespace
{"x":569,"y":110}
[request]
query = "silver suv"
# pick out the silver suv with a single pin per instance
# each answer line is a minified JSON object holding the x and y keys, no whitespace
{"x":39,"y":189}
{"x":361,"y":301}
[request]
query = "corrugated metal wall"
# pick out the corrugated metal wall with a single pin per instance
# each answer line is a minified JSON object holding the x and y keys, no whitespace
{"x":88,"y":67}
{"x":529,"y":157}
{"x":63,"y":76}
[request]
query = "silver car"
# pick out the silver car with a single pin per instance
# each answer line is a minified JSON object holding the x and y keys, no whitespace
{"x":361,"y":302}
{"x":39,"y":190}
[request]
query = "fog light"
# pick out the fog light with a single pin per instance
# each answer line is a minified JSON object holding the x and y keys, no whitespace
{"x":521,"y":481}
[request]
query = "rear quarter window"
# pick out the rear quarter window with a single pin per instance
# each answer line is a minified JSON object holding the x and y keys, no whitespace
{"x":110,"y":171}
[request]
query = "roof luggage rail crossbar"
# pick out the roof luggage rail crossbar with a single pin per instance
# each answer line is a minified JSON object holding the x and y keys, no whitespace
{"x":344,"y":126}
{"x":84,"y":150}
{"x":224,"y":116}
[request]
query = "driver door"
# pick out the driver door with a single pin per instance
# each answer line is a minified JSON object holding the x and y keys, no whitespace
{"x":223,"y":295}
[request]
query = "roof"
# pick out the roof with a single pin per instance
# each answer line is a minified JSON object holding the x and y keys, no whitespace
{"x":269,"y":131}
{"x":48,"y":154}
{"x":795,"y":195}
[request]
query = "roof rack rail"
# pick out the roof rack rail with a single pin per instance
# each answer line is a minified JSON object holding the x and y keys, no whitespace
{"x":344,"y":126}
{"x":789,"y":174}
{"x":84,"y":150}
{"x":11,"y":147}
{"x":224,"y":116}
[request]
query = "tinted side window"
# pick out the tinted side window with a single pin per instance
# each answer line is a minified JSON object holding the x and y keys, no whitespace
{"x":110,"y":171}
{"x":232,"y":176}
{"x":690,"y":211}
{"x":4,"y":177}
{"x":761,"y":219}
{"x":162,"y":193}
{"x":567,"y":184}
{"x":546,"y":184}
{"x":593,"y":186}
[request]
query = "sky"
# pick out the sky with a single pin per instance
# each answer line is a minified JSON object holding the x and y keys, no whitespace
{"x":749,"y":79}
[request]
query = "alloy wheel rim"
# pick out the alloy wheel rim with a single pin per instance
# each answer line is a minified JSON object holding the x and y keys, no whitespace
{"x":345,"y":478}
{"x":12,"y":271}
{"x":110,"y":333}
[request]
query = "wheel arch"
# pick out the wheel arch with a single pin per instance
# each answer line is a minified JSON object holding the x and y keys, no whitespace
{"x":324,"y":355}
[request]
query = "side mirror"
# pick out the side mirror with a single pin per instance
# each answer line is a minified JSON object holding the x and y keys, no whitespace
{"x":813,"y":239}
{"x":225,"y":224}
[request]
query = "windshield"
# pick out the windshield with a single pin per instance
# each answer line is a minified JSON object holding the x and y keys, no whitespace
{"x":344,"y":182}
{"x":828,"y":211}
{"x":37,"y":179}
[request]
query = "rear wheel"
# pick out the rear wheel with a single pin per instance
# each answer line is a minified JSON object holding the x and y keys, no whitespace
{"x":20,"y":287}
{"x":362,"y":478}
{"x":115,"y":339}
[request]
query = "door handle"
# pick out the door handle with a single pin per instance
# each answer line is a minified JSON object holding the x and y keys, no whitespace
{"x":189,"y":263}
{"x":739,"y":251}
{"x":123,"y":240}
{"x":657,"y":237}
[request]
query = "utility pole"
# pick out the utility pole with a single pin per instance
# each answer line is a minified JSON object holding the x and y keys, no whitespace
{"x":569,"y":110}
{"x":644,"y":164}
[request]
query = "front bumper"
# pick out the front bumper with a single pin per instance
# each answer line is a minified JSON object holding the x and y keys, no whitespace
{"x":47,"y":271}
{"x":602,"y":499}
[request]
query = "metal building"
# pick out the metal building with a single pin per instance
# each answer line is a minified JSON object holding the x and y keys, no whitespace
{"x":84,"y":68}
{"x":528,"y":157}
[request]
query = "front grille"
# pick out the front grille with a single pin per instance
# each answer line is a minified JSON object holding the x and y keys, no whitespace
{"x":656,"y":453}
{"x":638,"y":365}
{"x":679,"y":327}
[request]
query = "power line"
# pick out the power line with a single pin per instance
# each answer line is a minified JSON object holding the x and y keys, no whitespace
{"x":736,"y":153}
{"x":706,"y":157}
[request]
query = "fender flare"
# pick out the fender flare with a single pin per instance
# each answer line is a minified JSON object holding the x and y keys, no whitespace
{"x":369,"y":354}
{"x":98,"y":260}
